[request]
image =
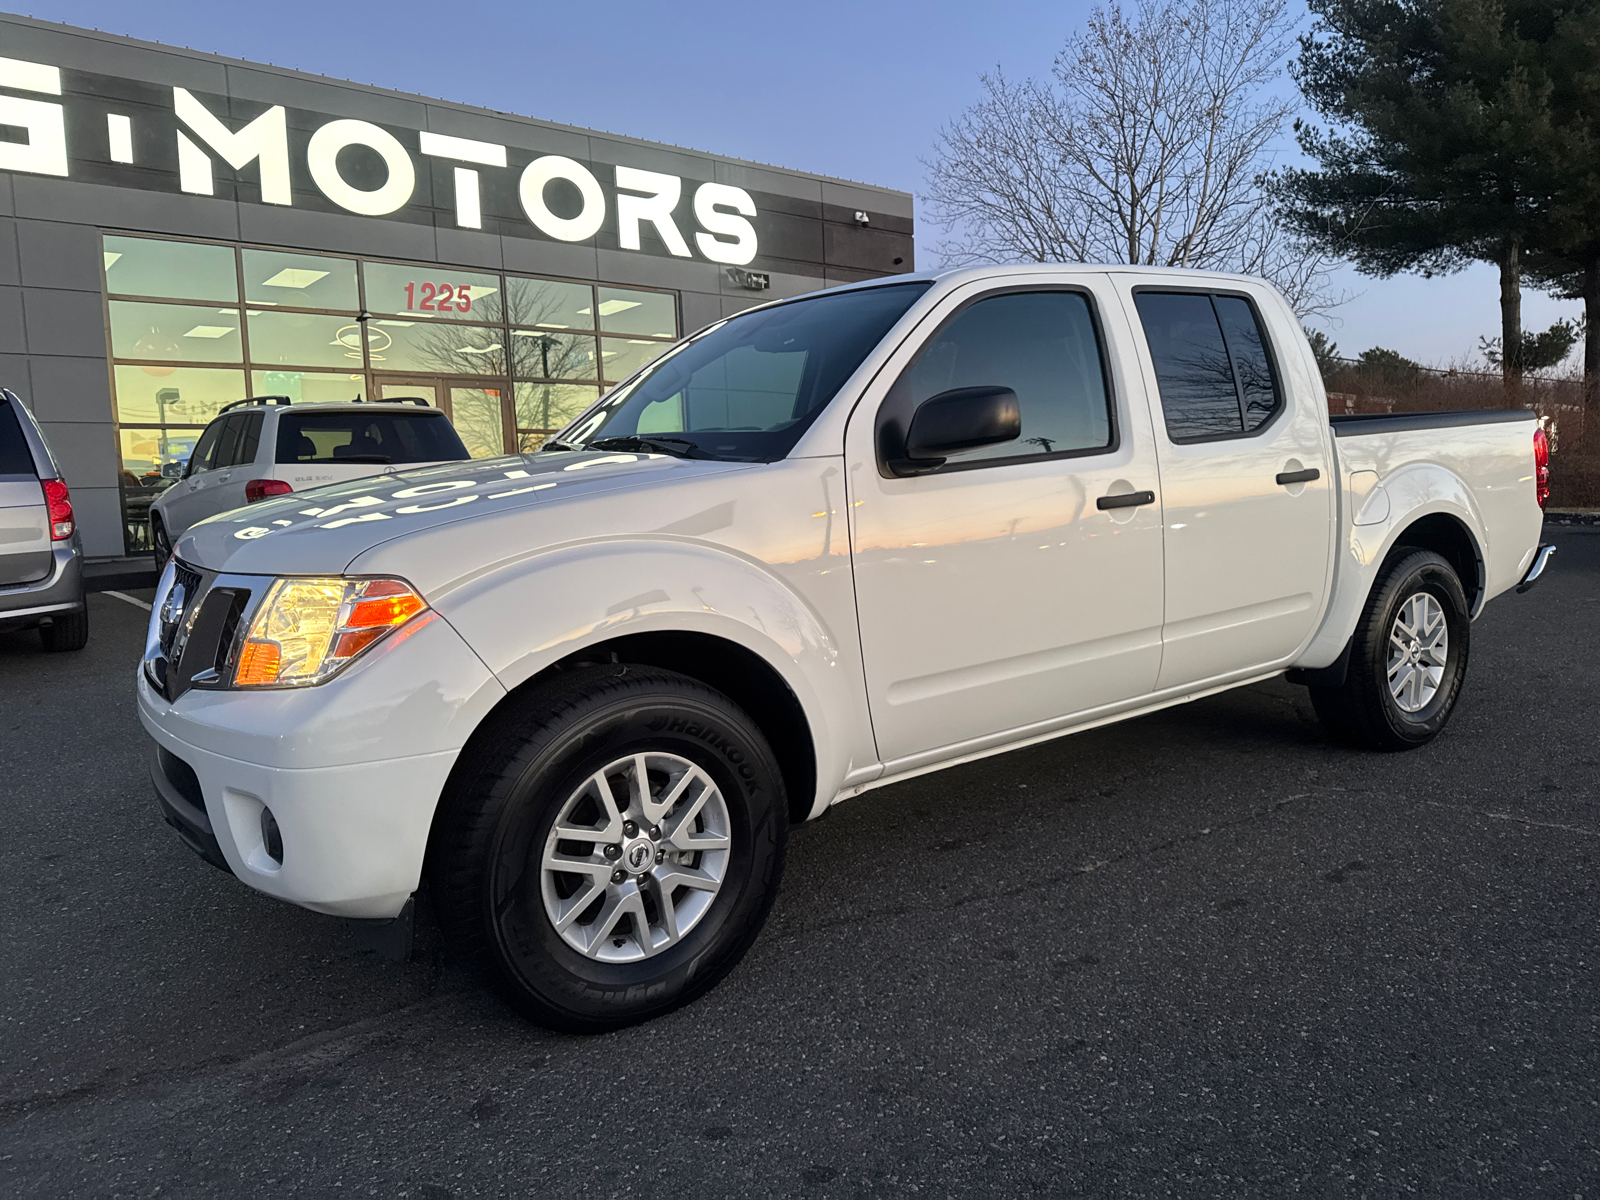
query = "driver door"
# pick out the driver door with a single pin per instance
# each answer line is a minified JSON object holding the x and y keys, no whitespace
{"x":1002,"y":593}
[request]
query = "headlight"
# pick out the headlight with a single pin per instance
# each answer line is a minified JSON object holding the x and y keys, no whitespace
{"x":306,"y":630}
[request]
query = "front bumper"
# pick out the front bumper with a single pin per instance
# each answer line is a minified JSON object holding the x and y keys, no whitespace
{"x":351,"y":771}
{"x":26,"y":605}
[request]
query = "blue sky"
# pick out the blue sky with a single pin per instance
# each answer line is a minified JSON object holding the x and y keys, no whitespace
{"x":857,"y":90}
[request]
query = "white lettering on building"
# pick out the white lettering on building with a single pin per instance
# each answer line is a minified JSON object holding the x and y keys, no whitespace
{"x":709,"y":200}
{"x":265,"y":139}
{"x":44,"y":152}
{"x":655,"y":206}
{"x":541,"y":172}
{"x":642,"y":197}
{"x":469,"y":205}
{"x":322,"y":157}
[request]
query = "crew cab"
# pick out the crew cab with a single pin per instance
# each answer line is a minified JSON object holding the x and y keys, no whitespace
{"x":268,"y":446}
{"x":829,"y":544}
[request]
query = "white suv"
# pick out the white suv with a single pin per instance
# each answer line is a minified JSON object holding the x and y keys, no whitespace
{"x":268,"y":446}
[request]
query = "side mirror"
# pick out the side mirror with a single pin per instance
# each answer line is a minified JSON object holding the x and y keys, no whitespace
{"x":955,"y":422}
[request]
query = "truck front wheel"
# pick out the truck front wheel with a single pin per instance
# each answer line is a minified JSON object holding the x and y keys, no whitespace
{"x":1408,"y":657}
{"x":612,"y":847}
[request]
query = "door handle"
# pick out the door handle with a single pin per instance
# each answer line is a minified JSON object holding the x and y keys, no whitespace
{"x":1126,"y":500}
{"x":1287,"y":477}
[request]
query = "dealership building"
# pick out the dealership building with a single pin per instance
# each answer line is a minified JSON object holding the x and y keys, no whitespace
{"x":179,"y":230}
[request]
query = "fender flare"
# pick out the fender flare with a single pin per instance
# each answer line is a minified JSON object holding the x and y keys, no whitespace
{"x":595,"y":591}
{"x":1415,"y":491}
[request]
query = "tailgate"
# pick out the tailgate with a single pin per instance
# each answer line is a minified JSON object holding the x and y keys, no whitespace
{"x":24,"y":531}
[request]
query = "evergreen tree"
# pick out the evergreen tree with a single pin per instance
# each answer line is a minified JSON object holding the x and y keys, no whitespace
{"x":1444,"y":135}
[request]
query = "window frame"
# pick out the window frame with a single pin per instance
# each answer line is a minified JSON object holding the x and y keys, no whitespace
{"x":1279,"y":393}
{"x":886,"y":406}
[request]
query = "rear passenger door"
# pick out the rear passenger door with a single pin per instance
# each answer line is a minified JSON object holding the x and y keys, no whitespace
{"x":231,"y":465}
{"x":1242,"y":440}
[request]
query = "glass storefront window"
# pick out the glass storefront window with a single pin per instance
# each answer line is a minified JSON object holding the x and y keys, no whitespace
{"x":621,"y":357}
{"x":432,"y":293}
{"x":550,"y":303}
{"x":299,"y":280}
{"x":544,"y":408}
{"x":304,"y":339}
{"x":152,"y":459}
{"x":650,"y":314}
{"x":308,"y":387}
{"x":174,"y":395}
{"x":175,"y":332}
{"x":181,"y":270}
{"x":513,"y":358}
{"x":537,"y":354}
{"x":417,"y":347}
{"x":478,"y":415}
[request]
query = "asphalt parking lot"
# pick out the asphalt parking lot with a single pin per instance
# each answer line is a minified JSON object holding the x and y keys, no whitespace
{"x":1205,"y":952}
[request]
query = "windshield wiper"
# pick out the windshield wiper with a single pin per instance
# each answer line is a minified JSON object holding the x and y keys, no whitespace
{"x":552,"y":444}
{"x":353,"y":458}
{"x":678,"y":447}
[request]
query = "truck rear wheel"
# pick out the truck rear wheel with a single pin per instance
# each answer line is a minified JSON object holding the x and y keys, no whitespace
{"x":1408,"y":657}
{"x":612,"y":849}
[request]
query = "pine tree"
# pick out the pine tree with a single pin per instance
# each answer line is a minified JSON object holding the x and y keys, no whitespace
{"x":1444,"y":133}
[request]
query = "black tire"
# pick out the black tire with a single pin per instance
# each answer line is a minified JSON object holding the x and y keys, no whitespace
{"x":160,"y":544}
{"x":67,"y":632}
{"x":507,"y":791}
{"x":1363,"y":711}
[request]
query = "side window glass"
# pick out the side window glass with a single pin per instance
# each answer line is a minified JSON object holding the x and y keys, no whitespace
{"x":227,"y":444}
{"x":249,"y":439}
{"x":1193,"y":374}
{"x":200,"y":459}
{"x":1258,"y":386}
{"x":1041,"y":345}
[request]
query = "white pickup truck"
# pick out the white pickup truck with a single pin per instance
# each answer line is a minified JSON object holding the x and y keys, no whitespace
{"x":829,"y":544}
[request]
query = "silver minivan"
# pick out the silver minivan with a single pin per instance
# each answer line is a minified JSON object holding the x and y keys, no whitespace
{"x":41,"y":553}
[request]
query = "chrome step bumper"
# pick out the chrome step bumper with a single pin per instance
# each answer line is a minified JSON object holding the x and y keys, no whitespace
{"x":1541,"y":560}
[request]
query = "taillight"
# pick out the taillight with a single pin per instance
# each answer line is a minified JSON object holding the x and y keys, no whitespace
{"x":260,"y":489}
{"x":59,"y":502}
{"x":1541,"y":467}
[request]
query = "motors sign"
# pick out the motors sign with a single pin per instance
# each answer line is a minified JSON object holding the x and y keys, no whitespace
{"x":161,"y":136}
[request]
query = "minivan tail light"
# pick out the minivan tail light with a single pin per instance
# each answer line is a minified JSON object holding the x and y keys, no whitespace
{"x":1541,"y":467}
{"x":260,"y":489}
{"x":59,"y":501}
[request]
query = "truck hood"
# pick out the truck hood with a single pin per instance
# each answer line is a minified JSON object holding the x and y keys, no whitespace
{"x":321,"y":531}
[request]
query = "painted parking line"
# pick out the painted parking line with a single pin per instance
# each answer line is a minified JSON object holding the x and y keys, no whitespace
{"x":130,"y":599}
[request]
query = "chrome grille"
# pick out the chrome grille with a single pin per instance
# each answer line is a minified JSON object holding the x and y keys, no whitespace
{"x":178,"y":609}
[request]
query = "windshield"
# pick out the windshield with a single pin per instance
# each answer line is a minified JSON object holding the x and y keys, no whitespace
{"x":748,"y":389}
{"x":359,"y":437}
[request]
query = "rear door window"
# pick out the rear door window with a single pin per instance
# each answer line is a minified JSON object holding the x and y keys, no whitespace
{"x":1213,"y":371}
{"x":227,"y":451}
{"x":238,"y":447}
{"x":359,"y":437}
{"x":15,"y":457}
{"x":204,"y":454}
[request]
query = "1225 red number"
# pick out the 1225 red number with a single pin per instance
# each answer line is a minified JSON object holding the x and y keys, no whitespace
{"x":439,"y":297}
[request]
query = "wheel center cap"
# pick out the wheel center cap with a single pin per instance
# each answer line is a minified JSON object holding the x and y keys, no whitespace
{"x":639,"y":855}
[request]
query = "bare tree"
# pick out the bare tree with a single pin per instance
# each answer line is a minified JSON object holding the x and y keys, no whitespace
{"x":1146,"y":146}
